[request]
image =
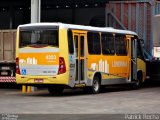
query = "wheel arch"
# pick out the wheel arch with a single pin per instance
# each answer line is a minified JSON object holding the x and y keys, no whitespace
{"x":99,"y":75}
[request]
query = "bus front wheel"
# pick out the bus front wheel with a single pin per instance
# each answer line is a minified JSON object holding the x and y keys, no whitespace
{"x":138,"y":82}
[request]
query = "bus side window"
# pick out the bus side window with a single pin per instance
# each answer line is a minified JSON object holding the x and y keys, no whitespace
{"x":76,"y":44}
{"x":107,"y":44}
{"x":70,"y":42}
{"x":121,"y":45}
{"x":94,"y":46}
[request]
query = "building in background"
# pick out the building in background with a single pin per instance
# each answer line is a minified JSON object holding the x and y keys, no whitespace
{"x":90,"y":12}
{"x":134,"y":15}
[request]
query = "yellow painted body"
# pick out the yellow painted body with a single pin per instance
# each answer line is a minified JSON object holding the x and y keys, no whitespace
{"x":58,"y":79}
{"x":110,"y":66}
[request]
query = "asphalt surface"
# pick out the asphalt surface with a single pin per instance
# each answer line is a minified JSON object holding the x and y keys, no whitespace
{"x":112,"y":100}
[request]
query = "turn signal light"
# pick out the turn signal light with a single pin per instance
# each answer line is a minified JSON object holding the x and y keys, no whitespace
{"x":62,"y":66}
{"x":17,"y":66}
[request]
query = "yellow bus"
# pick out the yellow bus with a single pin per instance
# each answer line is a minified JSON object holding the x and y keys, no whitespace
{"x":58,"y":55}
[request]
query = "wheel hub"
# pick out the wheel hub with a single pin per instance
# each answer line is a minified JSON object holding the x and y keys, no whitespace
{"x":95,"y":85}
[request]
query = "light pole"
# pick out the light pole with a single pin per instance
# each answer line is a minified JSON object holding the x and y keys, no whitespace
{"x":35,"y":18}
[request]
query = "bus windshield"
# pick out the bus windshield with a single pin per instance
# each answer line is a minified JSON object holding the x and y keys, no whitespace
{"x":38,"y":37}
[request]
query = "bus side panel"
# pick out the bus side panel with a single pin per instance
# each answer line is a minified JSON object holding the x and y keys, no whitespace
{"x":113,"y":69}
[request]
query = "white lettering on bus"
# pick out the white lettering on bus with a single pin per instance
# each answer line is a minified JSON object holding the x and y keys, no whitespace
{"x":119,"y":64}
{"x":29,"y":61}
{"x":51,"y":57}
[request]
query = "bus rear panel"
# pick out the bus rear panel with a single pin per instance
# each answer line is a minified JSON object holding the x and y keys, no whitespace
{"x":39,"y":59}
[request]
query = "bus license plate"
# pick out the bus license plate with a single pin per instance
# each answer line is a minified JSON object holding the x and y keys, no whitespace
{"x":38,"y":80}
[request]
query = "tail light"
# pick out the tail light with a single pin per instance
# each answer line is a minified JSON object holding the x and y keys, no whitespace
{"x":62,"y":66}
{"x":17,"y":66}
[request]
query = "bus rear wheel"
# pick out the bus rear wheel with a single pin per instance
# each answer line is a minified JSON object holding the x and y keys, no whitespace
{"x":95,"y":88}
{"x":55,"y":90}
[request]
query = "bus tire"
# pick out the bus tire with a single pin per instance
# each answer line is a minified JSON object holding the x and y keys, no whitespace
{"x":95,"y":88}
{"x":55,"y":90}
{"x":138,"y":83}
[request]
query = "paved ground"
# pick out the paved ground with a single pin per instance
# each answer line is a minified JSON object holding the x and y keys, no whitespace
{"x":113,"y":100}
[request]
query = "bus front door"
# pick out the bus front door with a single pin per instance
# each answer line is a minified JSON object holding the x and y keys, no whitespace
{"x":79,"y":43}
{"x":134,"y":59}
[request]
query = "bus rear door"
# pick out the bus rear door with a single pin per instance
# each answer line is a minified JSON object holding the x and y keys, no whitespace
{"x":80,"y":53}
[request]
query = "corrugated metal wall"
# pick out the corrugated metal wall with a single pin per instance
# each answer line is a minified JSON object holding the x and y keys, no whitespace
{"x":135,"y":15}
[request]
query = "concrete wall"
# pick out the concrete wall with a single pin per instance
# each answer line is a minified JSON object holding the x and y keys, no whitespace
{"x":76,"y":16}
{"x":4,"y":20}
{"x":57,"y":15}
{"x":84,"y":16}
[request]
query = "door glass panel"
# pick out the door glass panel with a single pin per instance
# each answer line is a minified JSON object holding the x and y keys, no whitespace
{"x":82,"y":59}
{"x":134,"y":59}
{"x":76,"y":70}
{"x":82,"y":46}
{"x":82,"y":69}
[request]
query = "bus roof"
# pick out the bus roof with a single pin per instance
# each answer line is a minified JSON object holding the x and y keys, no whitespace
{"x":81,"y":27}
